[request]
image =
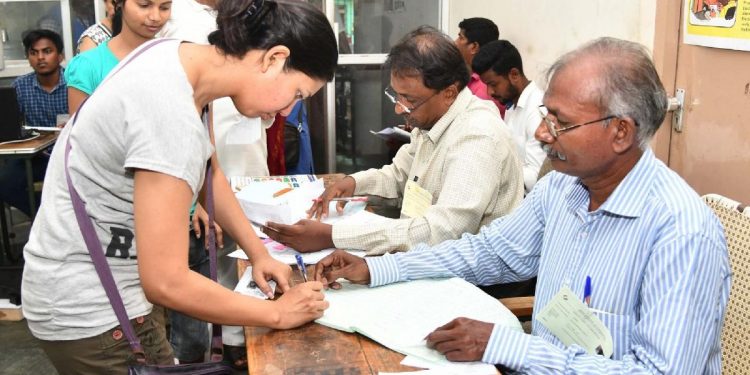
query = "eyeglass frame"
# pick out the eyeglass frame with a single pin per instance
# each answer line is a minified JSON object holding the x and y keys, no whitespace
{"x":406,"y":109}
{"x":552,"y":128}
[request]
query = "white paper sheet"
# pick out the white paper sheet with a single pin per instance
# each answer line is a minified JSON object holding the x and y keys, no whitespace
{"x":247,"y":286}
{"x":467,"y":368}
{"x":400,"y":316}
{"x":393,"y":132}
{"x":286,"y":254}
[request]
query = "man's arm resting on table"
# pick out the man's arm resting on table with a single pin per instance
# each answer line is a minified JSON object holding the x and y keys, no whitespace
{"x":688,"y":274}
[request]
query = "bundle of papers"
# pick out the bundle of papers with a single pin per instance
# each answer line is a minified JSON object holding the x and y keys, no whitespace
{"x":277,"y":202}
{"x":394,"y":133}
{"x":399,"y":316}
{"x":286,"y":254}
{"x":293,"y":181}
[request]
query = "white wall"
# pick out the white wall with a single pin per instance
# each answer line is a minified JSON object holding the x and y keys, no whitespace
{"x":543,"y":30}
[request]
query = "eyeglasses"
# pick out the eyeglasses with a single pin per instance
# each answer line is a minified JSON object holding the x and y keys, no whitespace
{"x":556,"y":129}
{"x":392,"y":95}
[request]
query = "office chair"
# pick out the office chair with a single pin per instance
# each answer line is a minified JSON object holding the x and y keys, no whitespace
{"x":735,"y":336}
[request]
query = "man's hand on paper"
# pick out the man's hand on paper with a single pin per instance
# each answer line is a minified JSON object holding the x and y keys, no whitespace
{"x":301,"y":304}
{"x":341,"y":264}
{"x":266,"y":268}
{"x":304,"y":236}
{"x":200,"y":222}
{"x":461,"y":340}
{"x":342,"y":188}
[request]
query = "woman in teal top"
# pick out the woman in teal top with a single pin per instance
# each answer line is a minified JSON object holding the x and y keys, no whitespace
{"x":88,"y":69}
{"x":140,"y":23}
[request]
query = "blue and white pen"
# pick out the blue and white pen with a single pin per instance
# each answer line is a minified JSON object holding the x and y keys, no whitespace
{"x":301,"y":266}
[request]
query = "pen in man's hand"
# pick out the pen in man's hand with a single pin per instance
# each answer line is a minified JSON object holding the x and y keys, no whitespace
{"x":301,"y":266}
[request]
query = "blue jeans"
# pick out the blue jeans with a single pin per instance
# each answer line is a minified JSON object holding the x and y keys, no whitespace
{"x":189,"y":336}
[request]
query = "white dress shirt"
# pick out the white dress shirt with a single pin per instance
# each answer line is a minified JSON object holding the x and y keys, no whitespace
{"x":523,"y":118}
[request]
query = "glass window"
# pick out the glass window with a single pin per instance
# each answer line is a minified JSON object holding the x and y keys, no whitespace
{"x":373,"y":26}
{"x":18,"y":17}
{"x":82,"y":15}
{"x":361,"y":107}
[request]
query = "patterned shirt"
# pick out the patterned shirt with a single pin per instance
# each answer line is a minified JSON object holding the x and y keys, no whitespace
{"x":98,"y":33}
{"x":39,"y":107}
{"x":467,"y":161}
{"x":657,"y":259}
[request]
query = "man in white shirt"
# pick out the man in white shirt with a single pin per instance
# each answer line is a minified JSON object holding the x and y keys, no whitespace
{"x":500,"y":67}
{"x":461,"y":156}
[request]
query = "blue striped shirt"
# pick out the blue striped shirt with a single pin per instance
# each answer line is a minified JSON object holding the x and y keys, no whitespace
{"x":655,"y":253}
{"x":39,"y":107}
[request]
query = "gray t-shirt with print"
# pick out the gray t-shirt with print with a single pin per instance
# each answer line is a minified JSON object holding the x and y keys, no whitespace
{"x":142,"y":117}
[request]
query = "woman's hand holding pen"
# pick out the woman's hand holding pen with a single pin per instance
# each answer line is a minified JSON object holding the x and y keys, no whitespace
{"x":341,"y":264}
{"x":342,"y":188}
{"x":301,"y":304}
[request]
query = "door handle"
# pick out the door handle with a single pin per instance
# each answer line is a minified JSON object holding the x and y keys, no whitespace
{"x":676,"y":106}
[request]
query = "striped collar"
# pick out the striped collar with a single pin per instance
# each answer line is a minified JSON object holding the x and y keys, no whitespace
{"x":629,"y":197}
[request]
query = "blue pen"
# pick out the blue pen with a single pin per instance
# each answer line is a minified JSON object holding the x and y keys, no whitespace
{"x":301,"y":266}
{"x":587,"y":292}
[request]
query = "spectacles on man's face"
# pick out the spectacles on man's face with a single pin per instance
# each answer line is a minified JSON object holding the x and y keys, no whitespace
{"x":555,"y":128}
{"x":393,"y":96}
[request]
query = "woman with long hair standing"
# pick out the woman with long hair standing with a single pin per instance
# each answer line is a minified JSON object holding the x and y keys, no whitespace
{"x":138,"y":156}
{"x":135,"y":22}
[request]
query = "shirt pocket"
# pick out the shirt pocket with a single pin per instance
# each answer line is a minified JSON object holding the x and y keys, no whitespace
{"x":620,"y":327}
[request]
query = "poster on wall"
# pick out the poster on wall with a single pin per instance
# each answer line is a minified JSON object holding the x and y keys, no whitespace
{"x":718,"y":23}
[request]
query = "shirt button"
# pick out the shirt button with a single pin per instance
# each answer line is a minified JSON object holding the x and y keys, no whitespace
{"x":117,"y":334}
{"x":584,"y":234}
{"x":139,"y":320}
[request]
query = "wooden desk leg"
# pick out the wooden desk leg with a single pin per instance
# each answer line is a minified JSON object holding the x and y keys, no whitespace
{"x":30,"y":187}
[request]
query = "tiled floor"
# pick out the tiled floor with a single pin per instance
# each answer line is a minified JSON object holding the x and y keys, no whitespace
{"x":19,"y":352}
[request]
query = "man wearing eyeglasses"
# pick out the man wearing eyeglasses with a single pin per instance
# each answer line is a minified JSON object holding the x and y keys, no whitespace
{"x":614,"y":227}
{"x":461,"y":155}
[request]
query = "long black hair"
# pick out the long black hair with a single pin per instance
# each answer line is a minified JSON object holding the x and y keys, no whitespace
{"x":245,"y":25}
{"x":117,"y":17}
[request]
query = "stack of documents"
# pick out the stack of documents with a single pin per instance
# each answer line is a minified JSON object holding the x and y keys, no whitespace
{"x":286,"y":254}
{"x":277,"y":202}
{"x":293,"y":181}
{"x":394,"y":133}
{"x":399,"y":316}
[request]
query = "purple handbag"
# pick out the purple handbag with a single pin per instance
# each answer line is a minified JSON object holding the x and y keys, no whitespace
{"x":94,"y":247}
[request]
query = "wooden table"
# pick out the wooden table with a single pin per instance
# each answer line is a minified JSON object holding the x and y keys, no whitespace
{"x":24,"y":150}
{"x":315,"y":349}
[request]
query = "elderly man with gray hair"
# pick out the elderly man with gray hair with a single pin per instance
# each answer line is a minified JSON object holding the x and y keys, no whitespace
{"x":613,"y":226}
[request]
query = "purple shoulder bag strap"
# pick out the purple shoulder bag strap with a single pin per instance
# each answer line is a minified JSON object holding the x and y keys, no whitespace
{"x":96,"y":251}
